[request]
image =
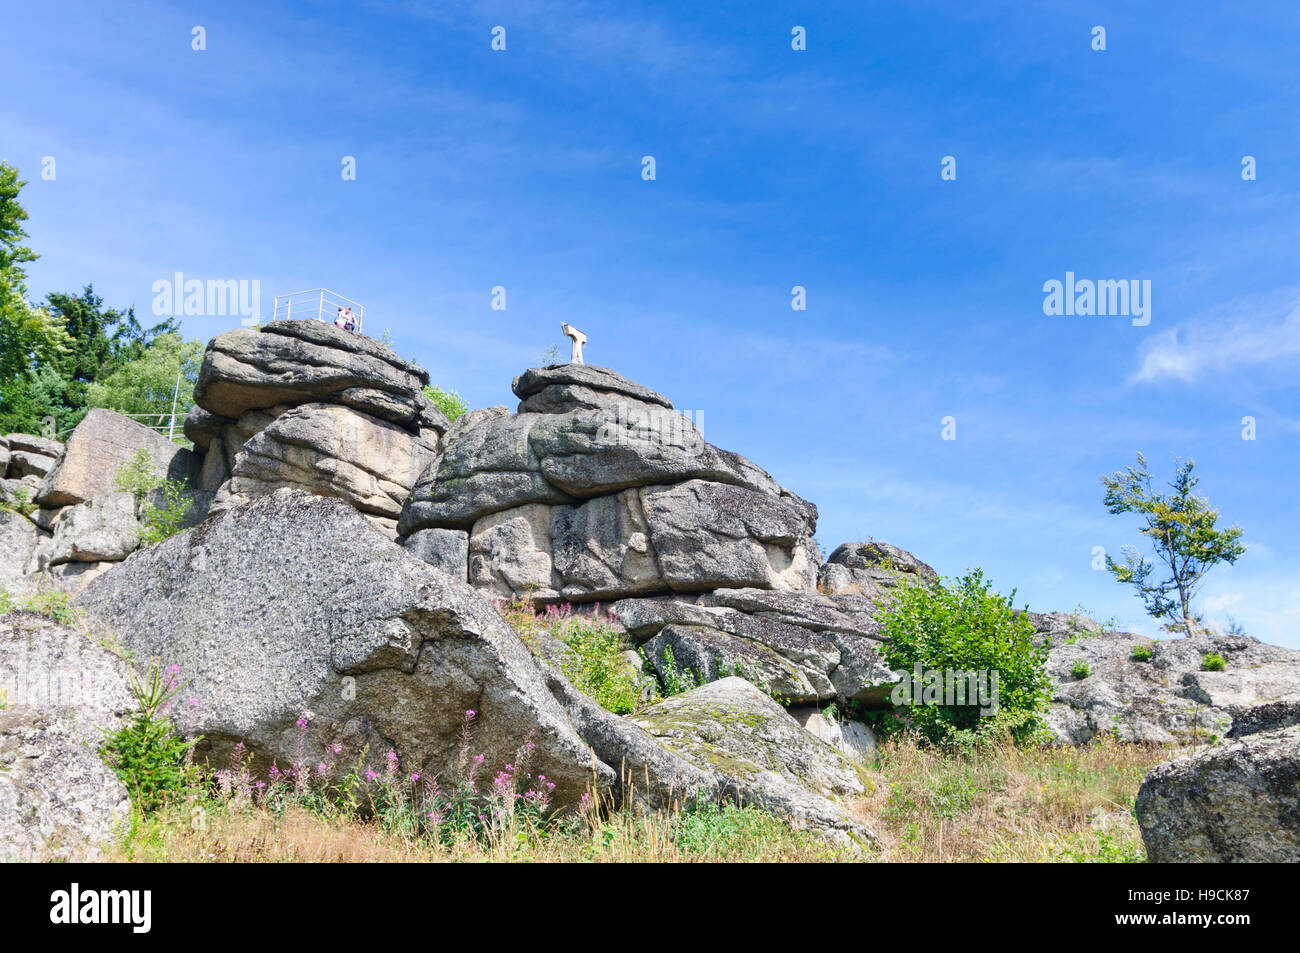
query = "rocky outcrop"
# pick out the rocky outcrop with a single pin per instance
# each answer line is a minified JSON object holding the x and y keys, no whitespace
{"x":100,"y":530}
{"x":295,"y":603}
{"x":598,"y":490}
{"x":1165,"y":699}
{"x":761,"y":756}
{"x":1231,"y":803}
{"x":19,"y":538}
{"x":24,"y":455}
{"x":299,"y":362}
{"x":98,"y":448}
{"x":870,"y":569}
{"x":306,"y":404}
{"x":58,"y":799}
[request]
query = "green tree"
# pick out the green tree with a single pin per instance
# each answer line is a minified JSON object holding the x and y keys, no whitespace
{"x":145,"y":384}
{"x":28,"y":335}
{"x":1183,"y":530}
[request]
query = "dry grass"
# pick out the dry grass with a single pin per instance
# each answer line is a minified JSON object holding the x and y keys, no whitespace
{"x":1005,"y":803}
{"x":254,"y":834}
{"x":1000,"y":803}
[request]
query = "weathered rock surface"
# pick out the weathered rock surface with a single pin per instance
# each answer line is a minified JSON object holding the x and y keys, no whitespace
{"x":760,"y":756}
{"x":297,"y":362}
{"x":445,"y":549}
{"x":329,"y":450}
{"x":99,"y":446}
{"x":45,"y":446}
{"x":870,"y":569}
{"x":58,"y":800}
{"x":295,"y":603}
{"x":104,"y":529}
{"x":25,"y":463}
{"x":1231,"y":803}
{"x":19,"y":538}
{"x":597,"y":490}
{"x":853,"y":739}
{"x":1167,"y":699}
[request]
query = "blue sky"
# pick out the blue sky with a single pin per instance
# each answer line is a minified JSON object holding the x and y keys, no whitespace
{"x":775,"y":168}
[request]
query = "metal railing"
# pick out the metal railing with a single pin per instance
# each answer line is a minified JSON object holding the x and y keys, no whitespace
{"x":319,"y":303}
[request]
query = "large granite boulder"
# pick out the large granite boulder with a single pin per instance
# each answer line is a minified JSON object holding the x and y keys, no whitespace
{"x":102,"y":444}
{"x":1230,"y":803}
{"x":295,"y":603}
{"x":1166,"y":699}
{"x":298,"y":362}
{"x":329,"y":450}
{"x":870,"y":569}
{"x":104,"y":529}
{"x":597,"y":489}
{"x":58,"y":799}
{"x":800,"y":647}
{"x":762,"y":757}
{"x":19,"y":539}
{"x":26,"y":455}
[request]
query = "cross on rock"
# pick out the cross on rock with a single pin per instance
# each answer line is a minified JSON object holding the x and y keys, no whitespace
{"x":578,"y":338}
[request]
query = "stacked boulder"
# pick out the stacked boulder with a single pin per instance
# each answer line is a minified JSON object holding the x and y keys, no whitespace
{"x":597,"y":490}
{"x":306,"y":404}
{"x":70,"y":523}
{"x":25,"y":459}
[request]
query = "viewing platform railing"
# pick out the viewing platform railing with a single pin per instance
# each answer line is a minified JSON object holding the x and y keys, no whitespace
{"x":319,"y":303}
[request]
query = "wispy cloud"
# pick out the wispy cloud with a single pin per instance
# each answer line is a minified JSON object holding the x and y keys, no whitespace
{"x":1248,"y":337}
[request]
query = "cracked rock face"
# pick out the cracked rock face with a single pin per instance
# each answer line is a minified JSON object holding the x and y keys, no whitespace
{"x":294,"y":603}
{"x":597,"y":489}
{"x":1237,"y":802}
{"x":761,"y":756}
{"x":1166,"y":699}
{"x":58,"y":800}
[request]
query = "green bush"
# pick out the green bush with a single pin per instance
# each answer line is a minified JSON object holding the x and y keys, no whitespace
{"x":138,"y":477}
{"x":594,"y":661}
{"x":160,"y":522}
{"x":48,"y":602}
{"x":965,"y":627}
{"x":1212,"y":662}
{"x":1141,"y":653}
{"x":1080,"y":669}
{"x":675,"y":681}
{"x":448,"y":401}
{"x":146,"y":753}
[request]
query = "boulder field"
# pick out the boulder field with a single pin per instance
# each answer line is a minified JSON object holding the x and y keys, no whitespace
{"x":352,"y":549}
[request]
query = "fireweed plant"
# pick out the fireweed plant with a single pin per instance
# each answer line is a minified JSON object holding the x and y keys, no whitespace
{"x":474,"y":804}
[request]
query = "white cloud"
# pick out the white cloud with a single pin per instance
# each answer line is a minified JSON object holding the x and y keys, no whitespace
{"x":1245,"y":338}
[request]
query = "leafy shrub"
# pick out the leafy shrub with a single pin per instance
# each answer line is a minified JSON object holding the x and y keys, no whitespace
{"x":448,"y":401}
{"x":966,"y":627}
{"x":1141,"y":653}
{"x":140,"y":477}
{"x":22,"y":502}
{"x":1080,"y":669}
{"x":137,"y":477}
{"x":1212,"y":662}
{"x":161,"y":522}
{"x":146,"y":753}
{"x":674,"y":681}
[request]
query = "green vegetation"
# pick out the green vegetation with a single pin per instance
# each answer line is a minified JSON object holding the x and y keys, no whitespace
{"x":448,"y":401}
{"x":1212,"y":662}
{"x":1141,"y":653}
{"x":140,"y":477}
{"x":146,"y":753}
{"x":47,"y":602}
{"x":70,"y":353}
{"x":1080,"y":670}
{"x":594,"y":652}
{"x":966,"y":627}
{"x":1181,"y":527}
{"x":675,"y":681}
